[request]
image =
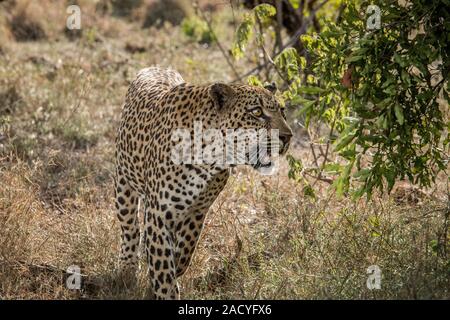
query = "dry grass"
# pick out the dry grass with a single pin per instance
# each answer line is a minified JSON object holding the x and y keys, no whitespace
{"x":60,"y":101}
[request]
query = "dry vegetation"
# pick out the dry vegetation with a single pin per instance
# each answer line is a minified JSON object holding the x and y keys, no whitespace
{"x":60,"y":101}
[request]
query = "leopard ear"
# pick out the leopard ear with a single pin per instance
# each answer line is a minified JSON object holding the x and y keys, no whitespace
{"x":220,"y":94}
{"x":272,"y":87}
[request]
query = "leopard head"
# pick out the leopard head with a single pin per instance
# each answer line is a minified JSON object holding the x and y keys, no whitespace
{"x":246,"y":110}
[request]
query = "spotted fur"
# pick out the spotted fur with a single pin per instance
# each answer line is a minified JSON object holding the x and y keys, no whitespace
{"x":176,"y":198}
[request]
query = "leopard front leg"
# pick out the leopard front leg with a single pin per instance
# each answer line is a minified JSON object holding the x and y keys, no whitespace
{"x":187,"y":235}
{"x":159,"y":246}
{"x":127,"y":202}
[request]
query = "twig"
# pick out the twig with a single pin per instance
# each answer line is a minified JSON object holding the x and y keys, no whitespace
{"x":304,"y":26}
{"x":318,"y":178}
{"x":278,"y":39}
{"x":224,"y":53}
{"x":314,"y":154}
{"x":38,"y":267}
{"x":234,"y":16}
{"x":257,"y":68}
{"x":325,"y":156}
{"x":275,"y":66}
{"x":81,"y":96}
{"x":260,"y":41}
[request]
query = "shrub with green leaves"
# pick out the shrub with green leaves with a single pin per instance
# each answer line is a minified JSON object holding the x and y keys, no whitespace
{"x":260,"y":14}
{"x":197,"y":29}
{"x":383,"y":91}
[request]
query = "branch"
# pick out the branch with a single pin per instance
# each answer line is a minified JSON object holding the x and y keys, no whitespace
{"x":300,"y":31}
{"x":278,"y":40}
{"x":260,"y":41}
{"x":325,"y":156}
{"x":224,"y":53}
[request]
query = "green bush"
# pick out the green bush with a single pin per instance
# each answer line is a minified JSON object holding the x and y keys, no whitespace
{"x":197,"y":29}
{"x":383,"y":92}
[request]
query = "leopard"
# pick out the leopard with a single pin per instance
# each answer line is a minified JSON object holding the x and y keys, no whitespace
{"x":176,"y":196}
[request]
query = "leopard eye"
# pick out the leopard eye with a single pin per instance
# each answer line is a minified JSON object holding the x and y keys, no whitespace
{"x":257,"y":112}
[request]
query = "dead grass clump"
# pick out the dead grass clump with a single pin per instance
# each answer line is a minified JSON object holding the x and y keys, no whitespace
{"x":10,"y":100}
{"x":76,"y":134}
{"x":37,"y":246}
{"x":98,"y":18}
{"x":124,"y":8}
{"x":5,"y":34}
{"x":73,"y":34}
{"x":21,"y":217}
{"x":172,"y":11}
{"x":25,"y":29}
{"x":23,"y":238}
{"x":34,"y":20}
{"x":26,"y":22}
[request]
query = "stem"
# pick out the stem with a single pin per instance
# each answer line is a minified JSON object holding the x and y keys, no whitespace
{"x":224,"y":53}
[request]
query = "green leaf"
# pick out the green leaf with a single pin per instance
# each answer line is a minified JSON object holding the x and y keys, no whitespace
{"x":302,"y":62}
{"x":254,"y":81}
{"x":332,"y":168}
{"x":307,"y":106}
{"x":311,"y":90}
{"x":399,"y":114}
{"x":390,"y":174}
{"x":406,"y":78}
{"x":342,"y":183}
{"x":353,"y":59}
{"x":309,"y":191}
{"x":265,"y":11}
{"x":344,"y":141}
{"x":348,"y":154}
{"x":295,"y":4}
{"x":362,"y":174}
{"x":243,"y":34}
{"x":288,"y":61}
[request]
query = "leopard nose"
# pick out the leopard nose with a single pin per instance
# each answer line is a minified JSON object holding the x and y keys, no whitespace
{"x":285,"y":138}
